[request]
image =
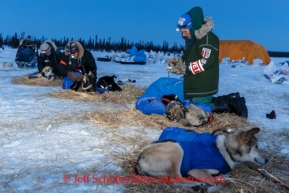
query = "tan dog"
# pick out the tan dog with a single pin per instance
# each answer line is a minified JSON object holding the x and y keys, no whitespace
{"x":175,"y":111}
{"x":47,"y":72}
{"x":166,"y":157}
{"x":196,"y":116}
{"x":190,"y":116}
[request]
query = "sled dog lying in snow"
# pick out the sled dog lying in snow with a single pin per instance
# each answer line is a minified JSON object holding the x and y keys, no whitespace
{"x":199,"y":155}
{"x":108,"y":82}
{"x":46,"y":73}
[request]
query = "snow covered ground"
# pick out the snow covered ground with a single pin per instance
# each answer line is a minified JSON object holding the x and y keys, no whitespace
{"x":42,"y":139}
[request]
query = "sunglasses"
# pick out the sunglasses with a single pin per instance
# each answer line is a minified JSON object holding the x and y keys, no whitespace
{"x":71,"y":49}
{"x":185,"y":27}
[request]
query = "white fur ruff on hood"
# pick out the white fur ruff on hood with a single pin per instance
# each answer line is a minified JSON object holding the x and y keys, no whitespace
{"x":80,"y":49}
{"x":206,"y":27}
{"x":52,"y":44}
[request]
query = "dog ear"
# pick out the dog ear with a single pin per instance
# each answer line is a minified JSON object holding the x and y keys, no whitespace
{"x":250,"y":134}
{"x":253,"y":131}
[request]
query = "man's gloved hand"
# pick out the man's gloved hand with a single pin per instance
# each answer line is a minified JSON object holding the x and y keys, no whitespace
{"x":76,"y":85}
{"x":176,"y":66}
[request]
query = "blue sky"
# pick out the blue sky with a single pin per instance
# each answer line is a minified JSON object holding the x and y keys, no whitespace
{"x":264,"y":22}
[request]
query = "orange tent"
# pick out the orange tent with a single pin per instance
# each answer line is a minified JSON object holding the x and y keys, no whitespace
{"x":237,"y":49}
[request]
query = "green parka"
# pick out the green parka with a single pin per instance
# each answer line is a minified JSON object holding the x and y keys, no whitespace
{"x":204,"y":46}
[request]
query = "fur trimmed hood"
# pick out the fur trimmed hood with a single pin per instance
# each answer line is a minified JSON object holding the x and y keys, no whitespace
{"x":206,"y":27}
{"x":200,"y":25}
{"x":48,"y":45}
{"x":79,"y":47}
{"x":52,"y":44}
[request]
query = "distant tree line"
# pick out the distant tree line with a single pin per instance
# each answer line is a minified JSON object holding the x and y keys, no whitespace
{"x":96,"y":44}
{"x":279,"y":54}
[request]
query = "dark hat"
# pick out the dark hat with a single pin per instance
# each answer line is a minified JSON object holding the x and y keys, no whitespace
{"x":45,"y":47}
{"x":71,"y":48}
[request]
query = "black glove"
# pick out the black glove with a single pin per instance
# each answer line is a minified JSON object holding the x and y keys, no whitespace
{"x":76,"y":85}
{"x":86,"y":86}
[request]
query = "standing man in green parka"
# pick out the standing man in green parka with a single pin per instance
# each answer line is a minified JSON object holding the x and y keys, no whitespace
{"x":200,"y":64}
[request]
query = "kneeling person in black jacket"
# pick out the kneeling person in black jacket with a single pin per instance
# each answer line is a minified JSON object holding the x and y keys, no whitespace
{"x":49,"y":57}
{"x":77,"y":59}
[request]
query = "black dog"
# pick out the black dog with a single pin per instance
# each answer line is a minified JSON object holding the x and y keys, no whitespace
{"x":108,"y":83}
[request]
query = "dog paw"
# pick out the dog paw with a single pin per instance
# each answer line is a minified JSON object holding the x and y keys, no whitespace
{"x":132,"y":81}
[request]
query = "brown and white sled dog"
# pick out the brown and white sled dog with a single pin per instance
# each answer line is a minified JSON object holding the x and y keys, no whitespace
{"x":165,"y":158}
{"x":190,"y":116}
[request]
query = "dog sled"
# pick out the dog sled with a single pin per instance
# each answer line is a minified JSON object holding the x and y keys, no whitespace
{"x":27,"y":53}
{"x":104,"y":59}
{"x":133,"y":62}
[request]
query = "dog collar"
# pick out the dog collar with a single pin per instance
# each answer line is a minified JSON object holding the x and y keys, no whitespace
{"x":232,"y":158}
{"x":165,"y":99}
{"x":227,"y":150}
{"x":210,"y":118}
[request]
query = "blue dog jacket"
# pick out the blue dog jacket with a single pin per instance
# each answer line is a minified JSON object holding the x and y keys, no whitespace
{"x":200,"y":151}
{"x":150,"y":105}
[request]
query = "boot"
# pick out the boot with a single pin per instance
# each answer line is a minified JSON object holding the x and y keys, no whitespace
{"x":225,"y":98}
{"x":231,"y":103}
{"x":238,"y":106}
{"x":221,"y":108}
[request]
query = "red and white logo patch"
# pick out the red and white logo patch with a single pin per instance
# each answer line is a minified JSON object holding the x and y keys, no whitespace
{"x":196,"y":67}
{"x":206,"y":52}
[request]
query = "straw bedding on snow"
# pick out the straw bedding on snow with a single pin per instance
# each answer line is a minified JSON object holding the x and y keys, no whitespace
{"x":125,"y":147}
{"x":128,"y":95}
{"x":246,"y":179}
{"x":241,"y":179}
{"x":130,"y":117}
{"x":24,"y":80}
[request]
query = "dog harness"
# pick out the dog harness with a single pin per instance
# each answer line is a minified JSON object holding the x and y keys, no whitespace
{"x":200,"y":151}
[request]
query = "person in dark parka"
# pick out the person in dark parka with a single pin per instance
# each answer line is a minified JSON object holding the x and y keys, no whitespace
{"x":50,"y":56}
{"x":200,"y":64}
{"x":201,"y":56}
{"x":78,"y":59}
